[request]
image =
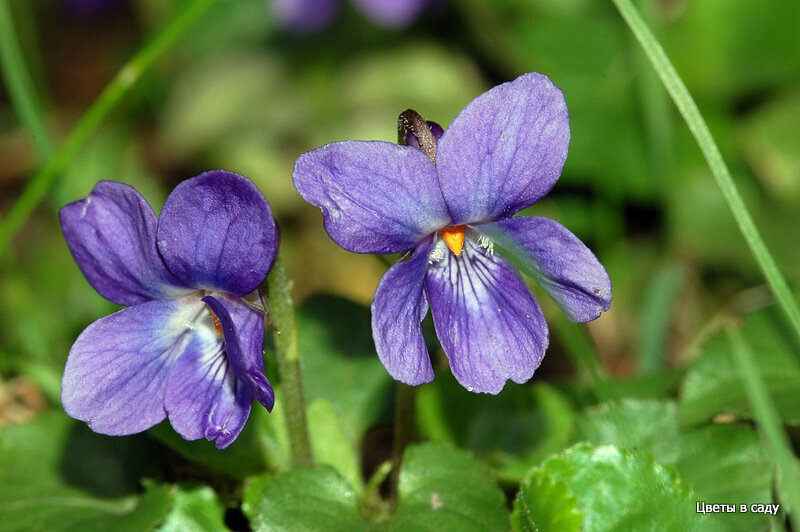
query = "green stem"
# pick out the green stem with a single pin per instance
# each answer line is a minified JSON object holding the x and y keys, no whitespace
{"x":21,"y":88}
{"x":769,"y":424}
{"x":281,"y":312}
{"x":119,"y":87}
{"x":691,"y":114}
{"x":405,"y":396}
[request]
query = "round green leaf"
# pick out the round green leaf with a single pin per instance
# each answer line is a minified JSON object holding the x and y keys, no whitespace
{"x":440,"y":488}
{"x":615,"y":490}
{"x":646,"y":425}
{"x":196,"y":509}
{"x":543,"y":505}
{"x":304,"y":499}
{"x":727,"y":463}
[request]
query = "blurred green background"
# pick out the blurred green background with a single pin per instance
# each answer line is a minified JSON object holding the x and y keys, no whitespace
{"x":240,"y":93}
{"x":243,"y":94}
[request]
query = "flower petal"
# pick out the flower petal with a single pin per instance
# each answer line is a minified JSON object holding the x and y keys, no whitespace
{"x":305,"y":16}
{"x":375,"y":197}
{"x":217,"y":232}
{"x":117,"y":370}
{"x":504,"y":151}
{"x":564,"y":266}
{"x":243,"y":328}
{"x":391,"y":13}
{"x":112,"y":235}
{"x":228,"y":417}
{"x":204,"y":398}
{"x":397,"y":311}
{"x":490,"y":327}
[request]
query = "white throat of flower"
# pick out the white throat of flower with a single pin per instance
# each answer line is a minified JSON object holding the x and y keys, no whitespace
{"x":438,"y":252}
{"x":486,"y":243}
{"x":440,"y":249}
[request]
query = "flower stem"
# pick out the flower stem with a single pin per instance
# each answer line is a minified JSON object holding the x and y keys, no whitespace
{"x":769,"y":424}
{"x":114,"y":92}
{"x":405,"y":396}
{"x":691,"y":114}
{"x":281,"y":312}
{"x":20,"y":87}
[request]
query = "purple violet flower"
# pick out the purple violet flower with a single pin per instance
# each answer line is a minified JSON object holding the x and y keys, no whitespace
{"x":188,"y":347}
{"x":502,"y":153}
{"x":307,"y":16}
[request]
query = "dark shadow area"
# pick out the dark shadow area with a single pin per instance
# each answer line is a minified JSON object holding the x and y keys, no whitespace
{"x":343,"y":322}
{"x":110,"y":466}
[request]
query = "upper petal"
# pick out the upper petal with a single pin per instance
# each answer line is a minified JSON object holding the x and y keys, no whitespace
{"x":216,"y":231}
{"x":505,"y":150}
{"x":564,"y":266}
{"x":397,"y":311}
{"x":112,"y":235}
{"x":116,"y":374}
{"x":243,"y":328}
{"x":305,"y":16}
{"x":488,"y":323}
{"x":376,"y":197}
{"x":391,"y":13}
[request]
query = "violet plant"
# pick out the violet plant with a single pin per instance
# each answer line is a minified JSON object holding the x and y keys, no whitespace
{"x":444,"y":200}
{"x":204,"y":282}
{"x":189,"y":347}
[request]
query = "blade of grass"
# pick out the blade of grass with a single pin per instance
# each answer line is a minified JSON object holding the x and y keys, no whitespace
{"x":114,"y":92}
{"x":657,"y":306}
{"x":691,"y":114}
{"x":20,"y":87}
{"x":769,"y":424}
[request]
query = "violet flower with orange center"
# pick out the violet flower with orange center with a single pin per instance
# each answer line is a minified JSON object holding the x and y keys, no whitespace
{"x":447,"y":198}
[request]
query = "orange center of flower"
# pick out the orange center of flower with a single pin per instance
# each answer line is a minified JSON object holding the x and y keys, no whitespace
{"x":453,"y":236}
{"x":217,"y":324}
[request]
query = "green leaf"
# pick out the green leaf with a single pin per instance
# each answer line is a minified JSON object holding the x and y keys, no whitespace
{"x":316,"y":498}
{"x":543,"y":504}
{"x":57,"y":475}
{"x":340,"y":363}
{"x":727,"y":463}
{"x":196,"y":509}
{"x":512,"y":431}
{"x":712,"y":385}
{"x":440,"y":488}
{"x":646,"y":425}
{"x":615,"y":490}
{"x":330,"y":445}
{"x":722,"y":463}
